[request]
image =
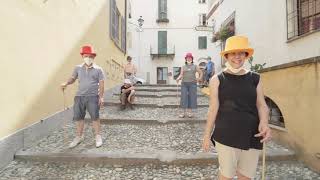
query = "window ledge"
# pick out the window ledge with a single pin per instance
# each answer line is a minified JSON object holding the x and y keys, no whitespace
{"x":302,"y":36}
{"x":164,"y":20}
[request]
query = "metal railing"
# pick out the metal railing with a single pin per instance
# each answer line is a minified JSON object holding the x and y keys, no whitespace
{"x":170,"y":50}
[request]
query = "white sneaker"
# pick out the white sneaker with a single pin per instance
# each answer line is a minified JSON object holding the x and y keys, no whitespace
{"x":98,"y":141}
{"x":77,"y":140}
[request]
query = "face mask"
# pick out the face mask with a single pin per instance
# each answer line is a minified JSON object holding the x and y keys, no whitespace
{"x":233,"y":69}
{"x":88,"y":60}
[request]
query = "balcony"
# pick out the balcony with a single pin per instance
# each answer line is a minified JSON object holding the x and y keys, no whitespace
{"x":162,"y":52}
{"x":163,"y":17}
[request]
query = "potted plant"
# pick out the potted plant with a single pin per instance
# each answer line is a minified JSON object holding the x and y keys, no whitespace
{"x":223,"y":34}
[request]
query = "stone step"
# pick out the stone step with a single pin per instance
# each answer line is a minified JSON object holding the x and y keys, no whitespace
{"x":152,"y":105}
{"x":147,"y":113}
{"x":125,"y":158}
{"x":284,"y":170}
{"x":170,"y":89}
{"x":152,"y":122}
{"x":158,"y":85}
{"x":135,"y":143}
{"x":159,"y":93}
{"x":158,"y":101}
{"x":159,"y":89}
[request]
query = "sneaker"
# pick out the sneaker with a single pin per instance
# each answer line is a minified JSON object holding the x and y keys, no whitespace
{"x":98,"y":141}
{"x":77,"y":140}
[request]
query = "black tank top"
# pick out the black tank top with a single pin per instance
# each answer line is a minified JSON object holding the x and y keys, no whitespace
{"x":237,"y":120}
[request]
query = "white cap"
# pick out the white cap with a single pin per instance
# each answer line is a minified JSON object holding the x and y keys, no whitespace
{"x":127,"y":81}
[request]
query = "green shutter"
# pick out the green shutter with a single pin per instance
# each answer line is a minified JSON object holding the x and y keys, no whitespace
{"x":162,"y":9}
{"x":202,"y":42}
{"x":165,"y":9}
{"x":162,"y":42}
{"x":159,"y":9}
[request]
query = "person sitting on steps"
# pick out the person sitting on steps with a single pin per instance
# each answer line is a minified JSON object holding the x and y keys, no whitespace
{"x":127,"y":95}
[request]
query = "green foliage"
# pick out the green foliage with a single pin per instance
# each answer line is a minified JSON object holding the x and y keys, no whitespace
{"x":255,"y":67}
{"x":223,"y":34}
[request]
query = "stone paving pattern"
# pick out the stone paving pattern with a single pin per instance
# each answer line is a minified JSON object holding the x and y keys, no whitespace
{"x":57,"y":171}
{"x":181,"y":137}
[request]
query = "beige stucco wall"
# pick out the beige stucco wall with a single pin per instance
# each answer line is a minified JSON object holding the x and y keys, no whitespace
{"x":296,"y":91}
{"x":39,"y":48}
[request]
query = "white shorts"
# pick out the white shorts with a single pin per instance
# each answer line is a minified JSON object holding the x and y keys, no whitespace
{"x":233,"y":160}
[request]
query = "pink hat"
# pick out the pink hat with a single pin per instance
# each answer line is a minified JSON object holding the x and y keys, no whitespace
{"x":188,"y":55}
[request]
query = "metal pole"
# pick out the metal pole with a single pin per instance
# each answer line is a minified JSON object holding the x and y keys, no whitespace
{"x":139,"y":49}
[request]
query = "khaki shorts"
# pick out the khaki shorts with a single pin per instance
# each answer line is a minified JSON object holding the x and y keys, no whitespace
{"x":233,"y":160}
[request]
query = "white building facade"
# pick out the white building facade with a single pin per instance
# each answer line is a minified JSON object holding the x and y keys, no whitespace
{"x":170,"y":30}
{"x":279,"y":31}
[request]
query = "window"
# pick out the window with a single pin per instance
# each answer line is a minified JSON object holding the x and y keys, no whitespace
{"x":114,"y":20}
{"x":123,"y":35}
{"x":202,"y":19}
{"x":202,"y":42}
{"x":162,"y":75}
{"x":202,"y":1}
{"x":162,"y":42}
{"x":275,"y":114}
{"x":303,"y":16}
{"x":117,"y":25}
{"x":162,"y":9}
{"x":129,"y":10}
{"x":176,"y":72}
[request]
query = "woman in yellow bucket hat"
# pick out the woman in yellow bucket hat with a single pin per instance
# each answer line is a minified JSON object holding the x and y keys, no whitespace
{"x":238,"y":114}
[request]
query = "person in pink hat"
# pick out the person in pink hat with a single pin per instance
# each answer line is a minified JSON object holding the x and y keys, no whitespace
{"x":89,"y":96}
{"x":189,"y":86}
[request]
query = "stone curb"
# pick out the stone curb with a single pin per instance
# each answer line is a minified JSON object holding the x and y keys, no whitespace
{"x":152,"y":105}
{"x":158,"y":96}
{"x":153,"y":121}
{"x":163,"y":157}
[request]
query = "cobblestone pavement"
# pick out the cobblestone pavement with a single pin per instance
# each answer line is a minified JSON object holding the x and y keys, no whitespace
{"x":180,"y":137}
{"x":183,"y":138}
{"x":150,"y":113}
{"x":161,"y":93}
{"x":160,"y":101}
{"x":57,"y":171}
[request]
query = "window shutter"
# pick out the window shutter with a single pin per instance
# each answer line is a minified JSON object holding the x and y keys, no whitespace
{"x":202,"y":42}
{"x":123,"y":34}
{"x":165,"y":9}
{"x":162,"y":42}
{"x":162,"y":9}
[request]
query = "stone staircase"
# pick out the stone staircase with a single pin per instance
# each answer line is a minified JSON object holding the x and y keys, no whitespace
{"x":149,"y":142}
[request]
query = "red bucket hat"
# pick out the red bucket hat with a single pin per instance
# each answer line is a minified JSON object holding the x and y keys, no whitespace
{"x":188,"y":55}
{"x":88,"y":49}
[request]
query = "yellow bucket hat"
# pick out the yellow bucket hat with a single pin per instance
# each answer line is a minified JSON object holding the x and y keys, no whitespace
{"x":237,"y":44}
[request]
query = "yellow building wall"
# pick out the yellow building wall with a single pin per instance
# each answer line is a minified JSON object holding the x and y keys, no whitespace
{"x":39,"y":48}
{"x":296,"y":91}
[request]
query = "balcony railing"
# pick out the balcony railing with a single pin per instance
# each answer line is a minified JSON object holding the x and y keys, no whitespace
{"x":156,"y":52}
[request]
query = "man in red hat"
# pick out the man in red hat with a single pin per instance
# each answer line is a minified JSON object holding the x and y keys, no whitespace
{"x":89,"y":96}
